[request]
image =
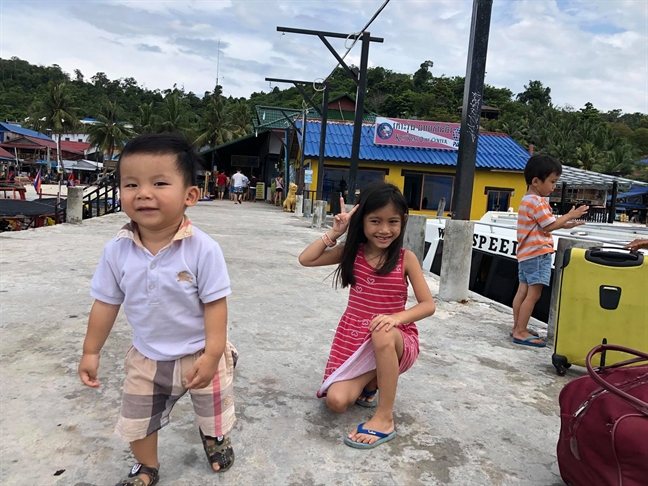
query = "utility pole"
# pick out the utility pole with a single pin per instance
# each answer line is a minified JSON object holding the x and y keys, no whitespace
{"x":357,"y":121}
{"x":322,"y":144}
{"x":471,"y":112}
{"x":457,"y":245}
{"x":217,"y":62}
{"x":360,"y":81}
{"x":323,"y":112}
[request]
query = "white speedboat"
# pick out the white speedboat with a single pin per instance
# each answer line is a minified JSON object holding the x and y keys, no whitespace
{"x":493,"y":271}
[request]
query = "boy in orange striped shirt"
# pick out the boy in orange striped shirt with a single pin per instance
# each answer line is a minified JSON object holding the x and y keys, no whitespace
{"x":535,"y":243}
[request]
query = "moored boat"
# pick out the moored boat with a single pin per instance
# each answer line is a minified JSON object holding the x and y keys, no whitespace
{"x":493,"y":271}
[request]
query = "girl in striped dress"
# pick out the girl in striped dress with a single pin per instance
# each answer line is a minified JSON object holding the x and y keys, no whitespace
{"x":376,"y":338}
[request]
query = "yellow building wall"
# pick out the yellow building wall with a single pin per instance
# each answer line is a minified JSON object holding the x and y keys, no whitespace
{"x":483,"y":179}
{"x":500,"y":179}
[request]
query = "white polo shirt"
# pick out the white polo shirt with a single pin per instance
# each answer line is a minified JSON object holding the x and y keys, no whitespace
{"x":163,"y":295}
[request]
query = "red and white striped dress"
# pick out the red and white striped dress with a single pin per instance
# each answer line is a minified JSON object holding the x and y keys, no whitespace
{"x":352,"y":351}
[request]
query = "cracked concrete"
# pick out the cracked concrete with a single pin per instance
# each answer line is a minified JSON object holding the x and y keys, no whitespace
{"x":474,"y":410}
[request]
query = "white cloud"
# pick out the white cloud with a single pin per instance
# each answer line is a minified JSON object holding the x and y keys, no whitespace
{"x":585,"y":51}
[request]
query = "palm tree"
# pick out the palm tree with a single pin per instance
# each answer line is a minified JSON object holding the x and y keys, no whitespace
{"x":57,"y":114}
{"x":620,"y":160}
{"x":239,"y":118}
{"x":173,"y":117}
{"x":111,"y":132}
{"x":216,"y":127}
{"x":147,"y":122}
{"x":587,"y":156}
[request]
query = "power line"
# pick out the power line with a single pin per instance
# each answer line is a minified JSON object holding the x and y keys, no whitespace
{"x":382,"y":7}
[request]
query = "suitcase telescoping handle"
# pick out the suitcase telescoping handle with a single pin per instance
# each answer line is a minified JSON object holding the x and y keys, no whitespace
{"x":640,"y":356}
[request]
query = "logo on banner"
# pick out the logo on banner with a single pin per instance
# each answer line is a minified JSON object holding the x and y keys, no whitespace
{"x":416,"y":133}
{"x":385,"y":130}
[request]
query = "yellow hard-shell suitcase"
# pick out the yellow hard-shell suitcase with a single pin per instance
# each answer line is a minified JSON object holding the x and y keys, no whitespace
{"x":603,"y":295}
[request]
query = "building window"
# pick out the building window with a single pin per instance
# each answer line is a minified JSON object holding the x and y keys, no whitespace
{"x":337,"y":179}
{"x":424,"y":191}
{"x":79,"y":140}
{"x":67,"y":139}
{"x":498,"y":200}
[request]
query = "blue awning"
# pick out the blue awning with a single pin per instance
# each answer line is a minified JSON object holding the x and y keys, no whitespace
{"x":634,"y":191}
{"x":622,"y":205}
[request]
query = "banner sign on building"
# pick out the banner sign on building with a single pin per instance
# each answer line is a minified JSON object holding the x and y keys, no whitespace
{"x":416,"y":133}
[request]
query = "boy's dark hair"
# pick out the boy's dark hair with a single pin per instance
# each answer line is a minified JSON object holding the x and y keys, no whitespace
{"x":187,"y":159}
{"x":541,"y":166}
{"x":374,"y":196}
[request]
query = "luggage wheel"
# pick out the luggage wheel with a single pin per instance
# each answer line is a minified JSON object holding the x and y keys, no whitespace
{"x":560,"y":363}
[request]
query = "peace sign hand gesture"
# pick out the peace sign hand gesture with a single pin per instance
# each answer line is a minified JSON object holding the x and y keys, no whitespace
{"x":341,"y":221}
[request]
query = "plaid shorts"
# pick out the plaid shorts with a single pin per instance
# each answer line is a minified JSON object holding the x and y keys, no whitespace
{"x":152,"y":388}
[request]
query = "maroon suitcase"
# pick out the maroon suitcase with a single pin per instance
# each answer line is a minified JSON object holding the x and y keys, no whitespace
{"x":604,"y":424}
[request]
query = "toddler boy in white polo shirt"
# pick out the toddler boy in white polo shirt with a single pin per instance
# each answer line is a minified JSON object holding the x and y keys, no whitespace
{"x":172,"y":280}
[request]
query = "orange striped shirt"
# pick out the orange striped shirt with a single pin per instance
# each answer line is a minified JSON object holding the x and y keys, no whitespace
{"x":534,"y":215}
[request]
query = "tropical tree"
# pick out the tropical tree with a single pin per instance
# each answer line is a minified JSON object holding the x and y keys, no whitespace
{"x":535,"y":91}
{"x":620,"y":160}
{"x":57,"y":114}
{"x":111,"y":132}
{"x":423,"y":77}
{"x":147,"y":121}
{"x":173,"y":115}
{"x":215,"y":127}
{"x":588,"y":156}
{"x":238,"y":117}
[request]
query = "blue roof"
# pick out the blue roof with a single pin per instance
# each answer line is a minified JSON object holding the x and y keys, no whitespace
{"x":7,"y":127}
{"x":493,"y":151}
{"x":634,"y":191}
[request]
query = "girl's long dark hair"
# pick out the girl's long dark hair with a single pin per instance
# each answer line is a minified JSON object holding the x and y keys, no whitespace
{"x":375,"y":196}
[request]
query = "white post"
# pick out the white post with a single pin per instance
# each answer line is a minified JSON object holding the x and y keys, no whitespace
{"x":457,"y":256}
{"x":319,"y":214}
{"x":75,"y":205}
{"x":414,"y":238}
{"x":299,"y":204}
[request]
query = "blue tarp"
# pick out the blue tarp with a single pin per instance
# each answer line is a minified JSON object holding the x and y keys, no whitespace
{"x":622,"y":205}
{"x":634,"y":191}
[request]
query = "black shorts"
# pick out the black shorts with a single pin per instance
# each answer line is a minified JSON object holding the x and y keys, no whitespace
{"x":279,"y":189}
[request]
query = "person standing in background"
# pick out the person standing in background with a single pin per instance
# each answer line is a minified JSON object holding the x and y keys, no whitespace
{"x":253,"y":184}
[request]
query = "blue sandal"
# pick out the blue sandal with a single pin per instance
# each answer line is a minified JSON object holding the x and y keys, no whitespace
{"x":361,"y":445}
{"x":527,"y":342}
{"x":368,"y":394}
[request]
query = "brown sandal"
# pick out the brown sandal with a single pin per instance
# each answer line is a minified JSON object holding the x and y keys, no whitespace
{"x":221,"y":454}
{"x":135,"y":480}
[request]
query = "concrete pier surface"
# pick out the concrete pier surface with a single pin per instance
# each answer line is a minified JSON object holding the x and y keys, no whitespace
{"x":474,"y":410}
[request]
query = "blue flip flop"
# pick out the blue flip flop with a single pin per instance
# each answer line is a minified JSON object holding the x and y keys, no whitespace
{"x":533,"y":332}
{"x":527,"y":342}
{"x":361,"y":445}
{"x":365,"y":403}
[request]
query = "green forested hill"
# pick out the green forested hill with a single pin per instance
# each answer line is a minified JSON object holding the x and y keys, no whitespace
{"x":609,"y":142}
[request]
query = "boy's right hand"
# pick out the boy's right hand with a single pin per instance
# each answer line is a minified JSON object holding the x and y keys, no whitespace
{"x":88,"y":369}
{"x":341,"y":221}
{"x":577,"y":212}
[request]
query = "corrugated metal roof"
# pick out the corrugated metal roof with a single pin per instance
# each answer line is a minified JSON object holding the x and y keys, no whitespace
{"x":4,"y":154}
{"x":270,"y":117}
{"x":574,"y":177}
{"x":494,"y":151}
{"x":22,"y":131}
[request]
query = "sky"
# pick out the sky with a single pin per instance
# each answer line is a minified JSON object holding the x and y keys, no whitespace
{"x":585,"y":51}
